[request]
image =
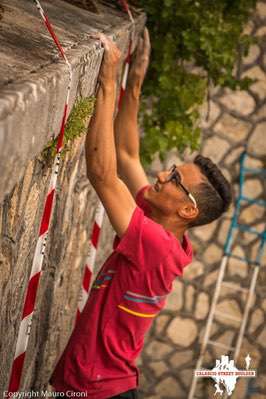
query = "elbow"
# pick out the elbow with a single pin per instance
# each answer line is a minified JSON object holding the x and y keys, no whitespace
{"x":126,"y":158}
{"x":97,"y":175}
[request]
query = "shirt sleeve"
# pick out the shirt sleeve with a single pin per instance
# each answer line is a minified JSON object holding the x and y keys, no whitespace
{"x":145,"y":242}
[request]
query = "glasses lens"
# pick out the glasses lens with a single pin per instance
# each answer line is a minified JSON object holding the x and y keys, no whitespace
{"x":175,"y":174}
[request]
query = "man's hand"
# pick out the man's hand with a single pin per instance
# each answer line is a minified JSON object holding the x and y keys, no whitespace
{"x":109,"y":68}
{"x":140,"y":62}
{"x":126,"y":122}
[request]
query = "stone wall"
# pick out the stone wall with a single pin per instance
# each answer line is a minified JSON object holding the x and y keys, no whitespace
{"x":32,"y":94}
{"x":172,"y":348}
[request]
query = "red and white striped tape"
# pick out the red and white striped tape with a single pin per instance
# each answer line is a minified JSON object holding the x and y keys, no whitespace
{"x":124,"y":4}
{"x":125,"y":74}
{"x":99,"y":213}
{"x":90,"y":261}
{"x":31,"y":292}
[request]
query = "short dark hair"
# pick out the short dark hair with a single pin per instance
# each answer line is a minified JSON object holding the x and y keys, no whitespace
{"x":214,"y":195}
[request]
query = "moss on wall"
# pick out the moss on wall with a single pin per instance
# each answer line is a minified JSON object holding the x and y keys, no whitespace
{"x":75,"y":126}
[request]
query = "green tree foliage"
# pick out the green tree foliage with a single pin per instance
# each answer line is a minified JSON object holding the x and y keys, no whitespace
{"x":204,"y":33}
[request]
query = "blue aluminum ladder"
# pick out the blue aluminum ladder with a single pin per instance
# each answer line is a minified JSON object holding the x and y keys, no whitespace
{"x":234,"y":228}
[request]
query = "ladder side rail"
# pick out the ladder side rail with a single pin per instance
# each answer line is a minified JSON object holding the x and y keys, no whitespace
{"x":209,"y":323}
{"x":246,"y":313}
{"x":234,"y":222}
{"x":250,"y":296}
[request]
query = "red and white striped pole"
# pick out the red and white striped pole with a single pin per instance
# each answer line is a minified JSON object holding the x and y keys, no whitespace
{"x":31,"y":292}
{"x":99,"y":212}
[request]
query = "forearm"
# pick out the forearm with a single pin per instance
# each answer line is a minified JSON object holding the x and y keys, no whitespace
{"x":100,"y":145}
{"x":126,"y":123}
{"x":126,"y":126}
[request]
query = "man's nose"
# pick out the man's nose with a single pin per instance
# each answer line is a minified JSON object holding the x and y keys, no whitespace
{"x":163,"y":176}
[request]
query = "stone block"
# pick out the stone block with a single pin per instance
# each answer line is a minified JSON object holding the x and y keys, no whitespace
{"x":215,"y":148}
{"x":223,"y":230}
{"x":182,"y":331}
{"x":257,"y":142}
{"x":259,"y":86}
{"x":210,"y":278}
{"x":202,"y":306}
{"x":261,"y":32}
{"x":212,"y":254}
{"x":170,"y":388}
{"x":189,"y":298}
{"x":160,"y":323}
{"x":204,"y":233}
{"x":261,"y":9}
{"x":238,"y":101}
{"x":158,"y":368}
{"x":256,"y":320}
{"x":194,"y":270}
{"x":214,"y":113}
{"x":261,"y":111}
{"x":237,"y":267}
{"x":251,"y":213}
{"x":175,"y":298}
{"x":186,"y":377}
{"x":230,"y":308}
{"x":233,"y":157}
{"x":180,"y":358}
{"x":259,"y":89}
{"x":253,"y":54}
{"x":157,"y":350}
{"x":262,"y":338}
{"x":233,"y":128}
{"x":227,"y":338}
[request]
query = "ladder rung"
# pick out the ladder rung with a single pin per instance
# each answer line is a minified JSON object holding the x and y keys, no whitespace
{"x":254,"y":170}
{"x":227,"y":316}
{"x":244,"y":227}
{"x":260,"y":202}
{"x":219,"y":345}
{"x":246,"y":260}
{"x":234,"y":286}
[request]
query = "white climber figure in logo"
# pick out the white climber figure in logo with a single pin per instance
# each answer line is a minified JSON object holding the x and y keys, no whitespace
{"x":228,"y":381}
{"x":218,"y":389}
{"x":248,"y":360}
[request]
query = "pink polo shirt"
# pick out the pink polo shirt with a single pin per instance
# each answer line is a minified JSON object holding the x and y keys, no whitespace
{"x":129,"y":291}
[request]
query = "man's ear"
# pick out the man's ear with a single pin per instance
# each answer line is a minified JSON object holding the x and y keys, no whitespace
{"x":188,"y":211}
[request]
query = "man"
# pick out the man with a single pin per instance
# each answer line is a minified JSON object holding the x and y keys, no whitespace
{"x":151,"y":247}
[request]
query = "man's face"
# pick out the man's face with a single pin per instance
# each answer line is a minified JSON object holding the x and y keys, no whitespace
{"x":166,"y":196}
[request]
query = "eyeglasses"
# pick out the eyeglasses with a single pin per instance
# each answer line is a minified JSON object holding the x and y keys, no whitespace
{"x":176,"y":177}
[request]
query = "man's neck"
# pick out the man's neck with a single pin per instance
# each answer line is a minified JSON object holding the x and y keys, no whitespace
{"x":177,"y":228}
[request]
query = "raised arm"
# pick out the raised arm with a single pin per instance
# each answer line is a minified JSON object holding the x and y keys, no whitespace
{"x":126,"y":122}
{"x":100,"y":146}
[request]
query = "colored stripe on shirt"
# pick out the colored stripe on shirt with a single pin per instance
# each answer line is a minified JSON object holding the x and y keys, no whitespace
{"x":134,"y":312}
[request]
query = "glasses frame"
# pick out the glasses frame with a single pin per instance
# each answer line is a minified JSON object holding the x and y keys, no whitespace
{"x":176,"y":177}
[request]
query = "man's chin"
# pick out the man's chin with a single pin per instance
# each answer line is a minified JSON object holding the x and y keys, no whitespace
{"x":149,"y":191}
{"x":150,"y":195}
